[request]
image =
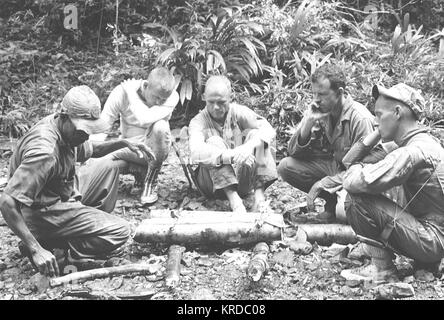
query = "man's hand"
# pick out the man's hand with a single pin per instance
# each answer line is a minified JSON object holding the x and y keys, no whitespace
{"x":311,"y":117}
{"x":372,"y":139}
{"x":142,"y":150}
{"x":244,"y":155}
{"x":45,"y":262}
{"x":313,"y":194}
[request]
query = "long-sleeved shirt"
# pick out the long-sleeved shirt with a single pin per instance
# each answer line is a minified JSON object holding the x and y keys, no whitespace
{"x":354,"y":123}
{"x":42,"y":168}
{"x":240,"y":122}
{"x":417,"y":165}
{"x":134,"y":118}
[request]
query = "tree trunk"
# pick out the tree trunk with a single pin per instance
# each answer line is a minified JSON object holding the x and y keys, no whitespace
{"x":198,"y":227}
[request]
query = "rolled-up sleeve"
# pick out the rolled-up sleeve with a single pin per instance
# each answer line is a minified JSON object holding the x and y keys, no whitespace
{"x":294,"y":148}
{"x":256,"y":125}
{"x":392,"y":171}
{"x":201,"y":152}
{"x":30,"y":177}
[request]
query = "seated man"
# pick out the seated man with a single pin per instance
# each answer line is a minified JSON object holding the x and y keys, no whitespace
{"x":232,"y":145}
{"x":144,"y":108}
{"x":40,"y":203}
{"x":330,"y":126}
{"x":415,"y":228}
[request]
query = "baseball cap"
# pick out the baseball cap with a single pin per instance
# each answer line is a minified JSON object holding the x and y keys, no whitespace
{"x":403,"y":93}
{"x":82,"y":106}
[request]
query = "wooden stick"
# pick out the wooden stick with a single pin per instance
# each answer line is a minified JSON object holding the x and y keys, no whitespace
{"x":172,"y":278}
{"x":83,"y":276}
{"x":326,"y":234}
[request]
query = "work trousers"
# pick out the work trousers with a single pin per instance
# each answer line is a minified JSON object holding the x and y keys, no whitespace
{"x":103,"y":173}
{"x":213,"y":179}
{"x":303,"y":173}
{"x":416,"y":238}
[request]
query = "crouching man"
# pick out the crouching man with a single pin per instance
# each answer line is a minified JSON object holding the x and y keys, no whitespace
{"x":40,"y":202}
{"x":415,"y":228}
{"x":143,"y":108}
{"x":330,"y":126}
{"x":231,"y":143}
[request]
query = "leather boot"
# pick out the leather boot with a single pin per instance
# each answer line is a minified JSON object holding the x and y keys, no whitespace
{"x":149,"y":194}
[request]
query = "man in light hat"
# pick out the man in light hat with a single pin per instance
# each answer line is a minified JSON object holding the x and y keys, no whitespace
{"x":143,"y":108}
{"x":415,"y":228}
{"x":40,"y":202}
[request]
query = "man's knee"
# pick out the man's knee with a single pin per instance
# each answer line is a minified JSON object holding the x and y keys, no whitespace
{"x":119,"y":233}
{"x":161,"y":126}
{"x":283,"y":168}
{"x":161,"y":130}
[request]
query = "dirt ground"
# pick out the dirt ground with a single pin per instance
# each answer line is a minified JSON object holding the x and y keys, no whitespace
{"x":210,"y":273}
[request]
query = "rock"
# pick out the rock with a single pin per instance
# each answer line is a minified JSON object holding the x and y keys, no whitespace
{"x":286,"y":198}
{"x":409,"y":279}
{"x":204,"y":261}
{"x":24,"y":291}
{"x":346,"y":291}
{"x":187,"y":260}
{"x":202,"y":294}
{"x":337,"y":251}
{"x":12,"y":272}
{"x":185,"y":272}
{"x":284,"y":258}
{"x":2,"y":285}
{"x":424,"y":276}
{"x":353,"y":283}
{"x":7,"y":297}
{"x":300,"y":247}
{"x":39,"y":282}
{"x":154,"y":268}
{"x":394,"y":290}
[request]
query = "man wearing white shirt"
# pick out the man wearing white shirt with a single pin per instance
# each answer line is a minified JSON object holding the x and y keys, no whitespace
{"x":144,"y":108}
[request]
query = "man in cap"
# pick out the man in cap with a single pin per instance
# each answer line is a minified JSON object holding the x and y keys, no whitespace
{"x":144,"y":108}
{"x":40,"y":202}
{"x":232,"y":145}
{"x":415,"y":228}
{"x":330,"y":126}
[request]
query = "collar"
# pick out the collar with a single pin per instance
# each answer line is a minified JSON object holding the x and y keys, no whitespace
{"x":347,"y":108}
{"x":53,"y":123}
{"x":410,"y":134}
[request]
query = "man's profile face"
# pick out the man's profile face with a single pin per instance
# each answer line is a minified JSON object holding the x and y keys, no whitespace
{"x":218,"y":102}
{"x":78,"y":137}
{"x":324,"y":97}
{"x":73,"y":136}
{"x":386,"y":119}
{"x":154,"y":95}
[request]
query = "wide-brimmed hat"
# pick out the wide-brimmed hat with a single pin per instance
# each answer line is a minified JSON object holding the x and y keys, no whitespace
{"x":403,"y":93}
{"x":82,"y":106}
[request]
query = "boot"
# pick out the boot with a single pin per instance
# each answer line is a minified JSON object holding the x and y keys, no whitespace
{"x":149,"y":194}
{"x":381,"y":268}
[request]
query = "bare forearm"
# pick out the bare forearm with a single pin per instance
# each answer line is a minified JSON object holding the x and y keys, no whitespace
{"x":13,"y":217}
{"x":101,"y":149}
